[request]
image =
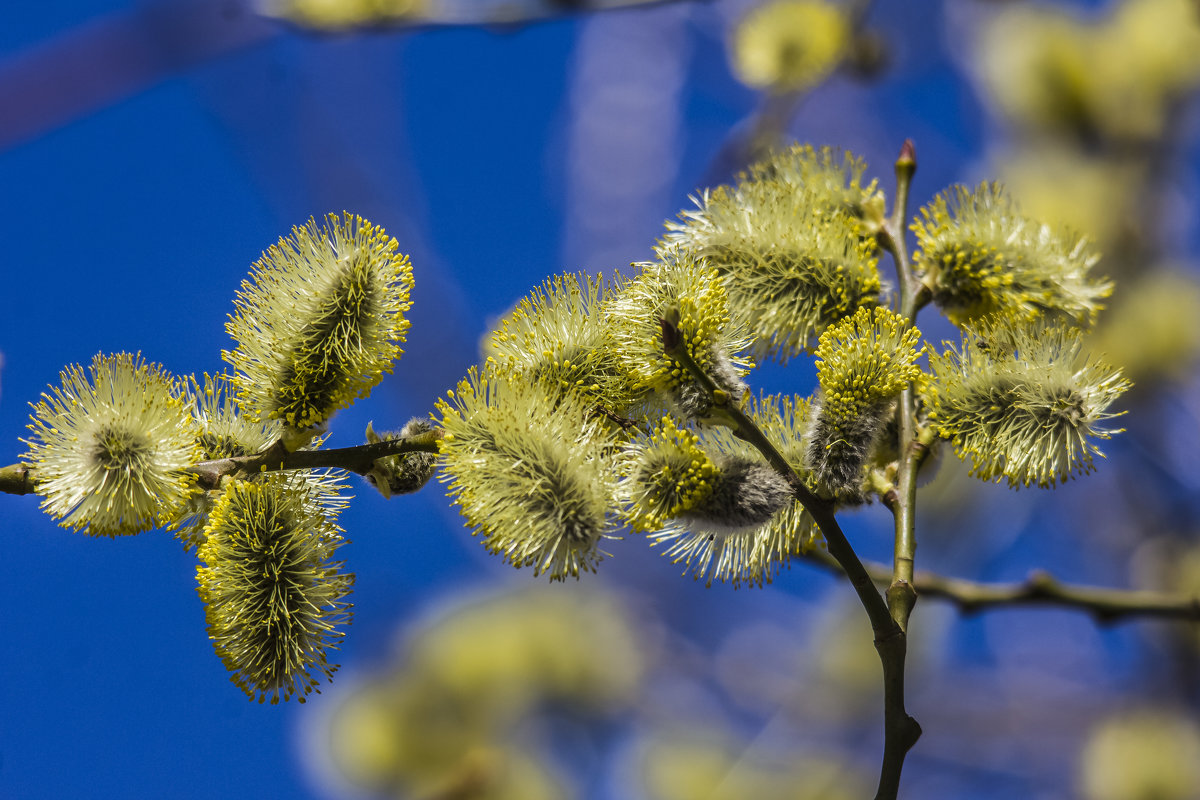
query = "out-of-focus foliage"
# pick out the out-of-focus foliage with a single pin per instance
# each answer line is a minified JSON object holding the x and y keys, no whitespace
{"x":1146,"y":754}
{"x":343,"y":15}
{"x":688,"y":766}
{"x":1098,"y":107}
{"x":1154,"y":334}
{"x":454,"y":711}
{"x":1118,"y":76}
{"x":789,"y":45}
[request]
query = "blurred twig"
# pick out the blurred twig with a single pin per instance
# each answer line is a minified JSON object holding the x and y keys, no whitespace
{"x":453,"y":13}
{"x":105,"y":60}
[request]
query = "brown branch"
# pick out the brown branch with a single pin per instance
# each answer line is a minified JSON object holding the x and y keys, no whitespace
{"x":901,"y":731}
{"x":1106,"y":605}
{"x":359,"y":458}
{"x":18,"y":478}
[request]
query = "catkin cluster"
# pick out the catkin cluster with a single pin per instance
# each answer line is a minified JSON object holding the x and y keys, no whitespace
{"x":599,"y":405}
{"x":115,"y":450}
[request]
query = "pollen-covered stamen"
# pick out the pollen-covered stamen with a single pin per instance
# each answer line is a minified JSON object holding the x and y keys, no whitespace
{"x":321,"y":364}
{"x":218,"y":446}
{"x":1022,"y":405}
{"x":665,"y":476}
{"x":273,"y":597}
{"x":558,"y":335}
{"x":980,"y":256}
{"x":320,"y":321}
{"x":865,"y":362}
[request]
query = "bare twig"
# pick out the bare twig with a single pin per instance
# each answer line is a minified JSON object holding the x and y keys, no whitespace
{"x":18,"y":478}
{"x":359,"y":458}
{"x":1040,"y":588}
{"x":901,"y":731}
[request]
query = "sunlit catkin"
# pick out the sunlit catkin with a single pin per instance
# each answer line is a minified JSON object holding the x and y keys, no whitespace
{"x":529,"y":470}
{"x":684,"y":288}
{"x":980,"y":256}
{"x":222,"y":431}
{"x":1024,"y":405}
{"x":864,"y":363}
{"x":319,"y":321}
{"x":788,"y":245}
{"x":274,"y":597}
{"x":109,"y":447}
{"x":558,"y":335}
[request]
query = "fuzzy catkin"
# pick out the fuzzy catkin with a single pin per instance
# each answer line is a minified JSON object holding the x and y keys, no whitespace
{"x":538,"y":495}
{"x":865,"y":361}
{"x":319,"y":321}
{"x":788,"y":245}
{"x":746,"y":493}
{"x":274,"y":598}
{"x":1023,"y":405}
{"x":109,"y":448}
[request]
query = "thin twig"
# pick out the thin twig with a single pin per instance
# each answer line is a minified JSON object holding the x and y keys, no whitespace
{"x":1040,"y":588}
{"x":512,"y":13}
{"x":359,"y":458}
{"x":19,"y":478}
{"x":901,"y":731}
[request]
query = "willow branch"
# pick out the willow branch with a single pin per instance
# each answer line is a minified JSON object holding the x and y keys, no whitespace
{"x":821,"y":510}
{"x":901,"y":731}
{"x":1040,"y":588}
{"x":18,"y":478}
{"x":891,"y":236}
{"x":359,"y":458}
